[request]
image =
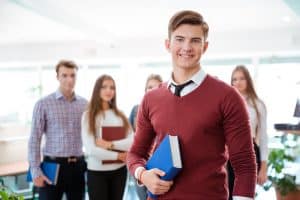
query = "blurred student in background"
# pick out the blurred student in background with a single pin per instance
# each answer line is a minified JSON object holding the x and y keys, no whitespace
{"x":106,"y":181}
{"x":242,"y":81}
{"x":152,"y":82}
{"x":57,"y":117}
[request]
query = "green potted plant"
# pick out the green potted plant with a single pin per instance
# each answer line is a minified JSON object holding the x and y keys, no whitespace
{"x":6,"y":194}
{"x":284,"y":184}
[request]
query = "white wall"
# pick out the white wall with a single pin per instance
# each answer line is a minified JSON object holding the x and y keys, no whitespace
{"x":228,"y":43}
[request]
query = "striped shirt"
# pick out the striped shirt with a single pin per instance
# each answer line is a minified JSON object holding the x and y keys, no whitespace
{"x":60,"y":122}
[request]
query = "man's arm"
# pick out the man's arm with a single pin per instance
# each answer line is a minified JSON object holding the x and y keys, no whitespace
{"x":139,"y":153}
{"x":240,"y":145}
{"x":143,"y":137}
{"x":37,"y":129}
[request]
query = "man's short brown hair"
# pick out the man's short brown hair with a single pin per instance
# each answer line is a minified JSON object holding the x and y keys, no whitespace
{"x":67,"y":64}
{"x":187,"y":17}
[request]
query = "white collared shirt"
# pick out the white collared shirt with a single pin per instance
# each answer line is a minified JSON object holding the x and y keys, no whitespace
{"x":196,"y":78}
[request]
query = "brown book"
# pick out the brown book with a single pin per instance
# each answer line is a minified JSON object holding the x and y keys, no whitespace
{"x":111,"y":161}
{"x":111,"y":133}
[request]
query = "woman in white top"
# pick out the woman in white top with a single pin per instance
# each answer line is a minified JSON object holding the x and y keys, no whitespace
{"x":105,"y":181}
{"x":242,"y":81}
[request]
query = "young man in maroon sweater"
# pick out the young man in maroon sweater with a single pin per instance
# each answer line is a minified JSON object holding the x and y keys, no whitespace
{"x":209,"y":117}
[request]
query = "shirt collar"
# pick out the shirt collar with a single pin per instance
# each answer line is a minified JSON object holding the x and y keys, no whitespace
{"x":59,"y":95}
{"x":196,"y":78}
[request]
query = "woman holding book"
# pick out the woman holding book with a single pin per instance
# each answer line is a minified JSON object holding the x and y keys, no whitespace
{"x":106,"y":176}
{"x":242,"y":81}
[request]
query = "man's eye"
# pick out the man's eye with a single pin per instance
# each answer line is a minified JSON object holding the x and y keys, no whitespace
{"x":196,"y":41}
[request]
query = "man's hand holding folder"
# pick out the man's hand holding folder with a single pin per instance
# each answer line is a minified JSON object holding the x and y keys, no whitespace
{"x":40,"y":181}
{"x":151,"y":179}
{"x":162,"y":167}
{"x":50,"y":174}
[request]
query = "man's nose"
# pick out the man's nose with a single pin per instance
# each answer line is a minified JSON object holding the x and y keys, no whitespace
{"x":187,"y":46}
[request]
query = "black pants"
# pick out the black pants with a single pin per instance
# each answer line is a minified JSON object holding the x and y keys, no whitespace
{"x":70,"y":181}
{"x":230,"y":172}
{"x":106,"y":185}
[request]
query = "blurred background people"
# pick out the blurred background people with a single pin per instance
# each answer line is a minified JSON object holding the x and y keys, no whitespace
{"x":153,"y":81}
{"x":105,"y":181}
{"x":242,"y":81}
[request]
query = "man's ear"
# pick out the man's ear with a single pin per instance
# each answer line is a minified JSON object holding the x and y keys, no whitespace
{"x":205,"y":46}
{"x":167,"y":44}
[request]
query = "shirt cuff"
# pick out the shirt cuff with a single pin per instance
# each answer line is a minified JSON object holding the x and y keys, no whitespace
{"x":137,"y":172}
{"x":36,"y":172}
{"x":241,"y":198}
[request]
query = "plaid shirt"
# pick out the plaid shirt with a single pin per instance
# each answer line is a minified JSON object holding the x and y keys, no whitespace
{"x":60,"y":122}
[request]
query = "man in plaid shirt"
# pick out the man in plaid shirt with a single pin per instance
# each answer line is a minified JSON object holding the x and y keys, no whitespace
{"x":58,"y":117}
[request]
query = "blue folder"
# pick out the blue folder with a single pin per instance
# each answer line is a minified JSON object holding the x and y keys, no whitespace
{"x":166,"y":158}
{"x":50,"y":169}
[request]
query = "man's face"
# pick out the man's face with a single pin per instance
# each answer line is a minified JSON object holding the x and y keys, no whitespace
{"x":67,"y":79}
{"x":186,"y":45}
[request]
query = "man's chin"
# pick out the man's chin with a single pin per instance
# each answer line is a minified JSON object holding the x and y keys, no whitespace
{"x":186,"y":65}
{"x":69,"y":90}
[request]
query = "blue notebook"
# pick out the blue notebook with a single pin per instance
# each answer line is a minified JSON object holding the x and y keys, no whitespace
{"x":166,"y":158}
{"x":50,"y":170}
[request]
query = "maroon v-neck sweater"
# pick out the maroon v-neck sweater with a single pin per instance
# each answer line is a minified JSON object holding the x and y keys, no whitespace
{"x":206,"y":120}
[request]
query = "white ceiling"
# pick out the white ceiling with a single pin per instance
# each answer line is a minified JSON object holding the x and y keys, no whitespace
{"x":98,"y":28}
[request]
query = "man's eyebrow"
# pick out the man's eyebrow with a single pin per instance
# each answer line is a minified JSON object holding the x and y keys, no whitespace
{"x":193,"y":38}
{"x":196,"y":38}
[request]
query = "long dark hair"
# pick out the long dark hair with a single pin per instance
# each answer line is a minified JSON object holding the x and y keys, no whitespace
{"x":95,"y":105}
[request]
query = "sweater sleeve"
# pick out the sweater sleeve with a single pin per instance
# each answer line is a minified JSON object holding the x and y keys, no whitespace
{"x":240,"y":145}
{"x":90,"y":148}
{"x":262,"y":132}
{"x":143,"y":137}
